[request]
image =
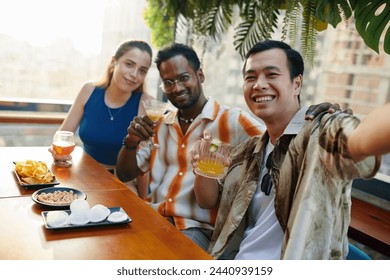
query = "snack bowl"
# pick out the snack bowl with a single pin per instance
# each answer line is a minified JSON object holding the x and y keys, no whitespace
{"x":57,"y":197}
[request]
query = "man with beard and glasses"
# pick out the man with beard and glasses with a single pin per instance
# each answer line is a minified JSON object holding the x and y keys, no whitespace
{"x":171,"y":177}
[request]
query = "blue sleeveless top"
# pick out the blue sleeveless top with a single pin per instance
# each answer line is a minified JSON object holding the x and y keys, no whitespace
{"x":102,"y":137}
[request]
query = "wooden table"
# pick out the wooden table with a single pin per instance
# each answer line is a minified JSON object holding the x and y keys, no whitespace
{"x":23,"y":234}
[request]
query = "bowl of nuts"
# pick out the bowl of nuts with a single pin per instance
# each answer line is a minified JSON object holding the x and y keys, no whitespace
{"x":57,"y":197}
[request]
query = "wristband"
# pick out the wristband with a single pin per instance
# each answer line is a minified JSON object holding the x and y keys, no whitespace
{"x":127,"y":147}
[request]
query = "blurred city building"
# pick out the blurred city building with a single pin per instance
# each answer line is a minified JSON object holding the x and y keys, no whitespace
{"x":57,"y":70}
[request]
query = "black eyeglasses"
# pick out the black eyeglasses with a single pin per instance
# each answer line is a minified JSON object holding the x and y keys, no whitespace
{"x":266,"y":182}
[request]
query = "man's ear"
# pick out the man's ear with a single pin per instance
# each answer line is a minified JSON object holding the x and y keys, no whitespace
{"x":297,"y":84}
{"x":200,"y":75}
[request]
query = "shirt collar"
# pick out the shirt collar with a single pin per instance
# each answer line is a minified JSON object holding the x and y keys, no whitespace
{"x":210,"y":111}
{"x":293,"y":127}
{"x":296,"y":123}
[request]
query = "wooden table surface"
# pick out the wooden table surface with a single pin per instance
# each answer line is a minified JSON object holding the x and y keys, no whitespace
{"x":23,"y":234}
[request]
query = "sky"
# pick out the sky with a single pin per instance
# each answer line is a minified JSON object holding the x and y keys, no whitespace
{"x":41,"y":22}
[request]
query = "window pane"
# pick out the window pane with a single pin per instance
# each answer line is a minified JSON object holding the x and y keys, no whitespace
{"x":50,"y":48}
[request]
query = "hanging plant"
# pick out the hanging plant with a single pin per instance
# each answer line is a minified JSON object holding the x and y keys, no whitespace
{"x":303,"y":19}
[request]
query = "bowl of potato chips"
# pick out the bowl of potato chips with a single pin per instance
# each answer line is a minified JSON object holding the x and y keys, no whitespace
{"x":34,"y":173}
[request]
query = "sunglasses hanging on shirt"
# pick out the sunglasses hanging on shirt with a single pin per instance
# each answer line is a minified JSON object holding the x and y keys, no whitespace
{"x":266,"y":182}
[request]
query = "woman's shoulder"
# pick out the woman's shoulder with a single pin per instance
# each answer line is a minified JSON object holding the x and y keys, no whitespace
{"x":86,"y":90}
{"x":89,"y":87}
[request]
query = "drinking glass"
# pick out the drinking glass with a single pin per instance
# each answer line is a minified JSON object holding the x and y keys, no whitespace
{"x":63,"y":144}
{"x":213,"y":159}
{"x":155,"y":109}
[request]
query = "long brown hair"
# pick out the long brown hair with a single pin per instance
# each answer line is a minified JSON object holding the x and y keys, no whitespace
{"x":122,"y":49}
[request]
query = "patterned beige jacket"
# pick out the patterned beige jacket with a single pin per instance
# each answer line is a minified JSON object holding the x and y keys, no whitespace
{"x":312,"y":173}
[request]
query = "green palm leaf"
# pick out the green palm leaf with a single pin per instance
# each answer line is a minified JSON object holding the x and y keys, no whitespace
{"x":291,"y":22}
{"x":309,"y":34}
{"x":216,"y":22}
{"x":372,"y":17}
{"x":334,"y":11}
{"x":259,"y":21}
{"x":247,"y":34}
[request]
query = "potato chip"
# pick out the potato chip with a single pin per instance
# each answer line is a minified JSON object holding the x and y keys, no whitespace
{"x":33,"y":172}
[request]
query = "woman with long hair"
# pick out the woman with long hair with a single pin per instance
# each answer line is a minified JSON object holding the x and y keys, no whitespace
{"x":103,"y":110}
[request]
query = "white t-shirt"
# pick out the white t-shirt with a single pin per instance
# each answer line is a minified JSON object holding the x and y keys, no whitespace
{"x":263,"y":237}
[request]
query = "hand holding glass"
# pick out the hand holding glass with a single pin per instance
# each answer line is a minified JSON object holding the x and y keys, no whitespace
{"x":212,"y":159}
{"x":155,"y":109}
{"x":63,"y":145}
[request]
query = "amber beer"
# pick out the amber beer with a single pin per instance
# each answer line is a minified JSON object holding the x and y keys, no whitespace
{"x":63,"y":145}
{"x":63,"y":148}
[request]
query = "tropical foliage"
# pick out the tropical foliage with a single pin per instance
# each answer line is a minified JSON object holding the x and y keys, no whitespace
{"x":255,"y":20}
